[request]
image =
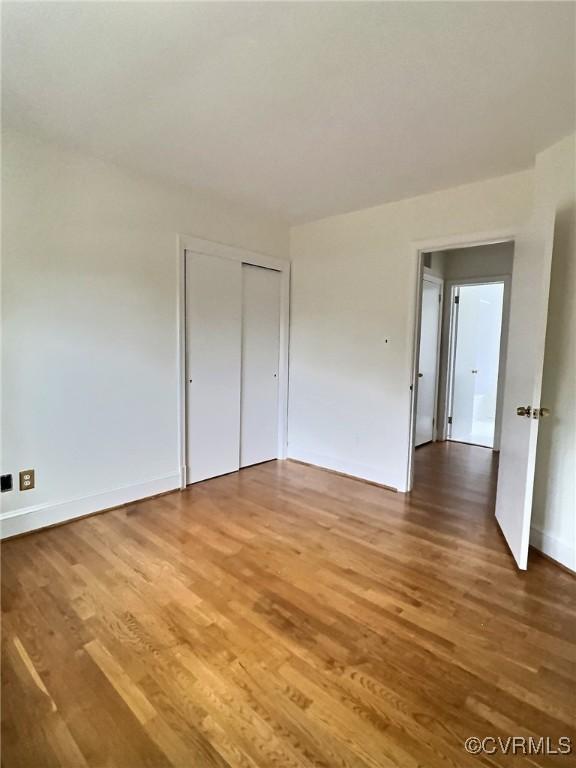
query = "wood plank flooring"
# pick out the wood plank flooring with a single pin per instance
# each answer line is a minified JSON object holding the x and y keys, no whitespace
{"x":286,"y":616}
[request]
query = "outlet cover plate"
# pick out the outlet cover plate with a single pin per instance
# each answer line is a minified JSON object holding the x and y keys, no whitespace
{"x":27,"y":480}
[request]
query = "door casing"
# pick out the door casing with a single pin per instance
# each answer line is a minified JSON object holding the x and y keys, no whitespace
{"x":439,"y":281}
{"x":450,"y":286}
{"x":188,"y":243}
{"x":419,"y":248}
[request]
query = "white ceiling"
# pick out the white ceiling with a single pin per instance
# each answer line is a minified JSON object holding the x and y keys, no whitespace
{"x":304,"y":109}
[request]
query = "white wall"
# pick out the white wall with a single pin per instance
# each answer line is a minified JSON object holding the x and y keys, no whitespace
{"x":89,"y":328}
{"x":481,"y":261}
{"x":554,"y":509}
{"x":352,"y":283}
{"x":90,"y":325}
{"x":434,"y":262}
{"x":353,"y":288}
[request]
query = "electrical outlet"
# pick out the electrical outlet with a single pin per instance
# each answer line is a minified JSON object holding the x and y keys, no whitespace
{"x":26,"y":479}
{"x":5,"y":483}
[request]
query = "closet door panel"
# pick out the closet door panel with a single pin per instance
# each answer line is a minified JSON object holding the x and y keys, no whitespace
{"x":260,"y":361}
{"x":213,"y":345}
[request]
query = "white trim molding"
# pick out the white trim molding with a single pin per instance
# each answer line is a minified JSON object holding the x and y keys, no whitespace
{"x":210,"y":248}
{"x":418,"y":248}
{"x":43,"y":515}
{"x":564,"y":552}
{"x":448,"y":393}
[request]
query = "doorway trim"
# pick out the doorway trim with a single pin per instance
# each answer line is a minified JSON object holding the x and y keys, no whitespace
{"x":418,"y":248}
{"x":440,"y":282}
{"x":451,"y":284}
{"x":210,"y":248}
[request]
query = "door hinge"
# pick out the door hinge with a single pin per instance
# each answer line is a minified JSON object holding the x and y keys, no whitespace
{"x":456,"y":299}
{"x":449,"y":419}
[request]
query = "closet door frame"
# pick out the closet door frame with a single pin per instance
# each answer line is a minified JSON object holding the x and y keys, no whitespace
{"x":209,"y":248}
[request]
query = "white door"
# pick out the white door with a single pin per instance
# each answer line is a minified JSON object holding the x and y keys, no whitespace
{"x":260,"y":360}
{"x":474,"y":386}
{"x":428,"y":360}
{"x":213,"y":347}
{"x":523,"y":384}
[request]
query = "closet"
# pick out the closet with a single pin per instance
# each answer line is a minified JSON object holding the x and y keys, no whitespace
{"x":232,"y":365}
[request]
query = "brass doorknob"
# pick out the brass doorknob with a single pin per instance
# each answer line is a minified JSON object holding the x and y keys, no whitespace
{"x":524,"y":410}
{"x":542,"y":412}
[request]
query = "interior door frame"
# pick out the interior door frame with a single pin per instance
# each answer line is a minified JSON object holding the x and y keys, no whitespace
{"x":440,"y":282}
{"x":419,"y":248}
{"x":451,"y":285}
{"x":210,"y":248}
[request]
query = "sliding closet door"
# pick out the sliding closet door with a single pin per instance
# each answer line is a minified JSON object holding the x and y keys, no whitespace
{"x":260,"y":360}
{"x":213,"y":342}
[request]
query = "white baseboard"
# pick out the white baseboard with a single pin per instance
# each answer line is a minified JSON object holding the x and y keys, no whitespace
{"x":361,"y":471}
{"x":563,"y":552}
{"x":42,"y":515}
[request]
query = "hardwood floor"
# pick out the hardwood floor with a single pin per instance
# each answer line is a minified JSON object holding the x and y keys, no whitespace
{"x":286,"y":616}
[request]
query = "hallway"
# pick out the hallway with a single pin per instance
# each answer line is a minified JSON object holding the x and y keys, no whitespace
{"x":459,"y":482}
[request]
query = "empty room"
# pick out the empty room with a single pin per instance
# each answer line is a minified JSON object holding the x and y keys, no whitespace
{"x":288,"y":386}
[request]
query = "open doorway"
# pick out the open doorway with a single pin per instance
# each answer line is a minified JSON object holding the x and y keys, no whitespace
{"x":522,"y":261}
{"x":463,"y":328}
{"x":475,"y":360}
